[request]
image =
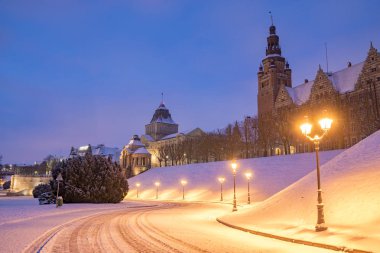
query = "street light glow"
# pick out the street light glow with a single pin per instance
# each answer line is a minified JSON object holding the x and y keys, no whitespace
{"x":138,"y":185}
{"x":221,"y":180}
{"x":234,"y":166}
{"x":157,"y":183}
{"x":325,"y":124}
{"x":183,"y":182}
{"x":248,"y":175}
{"x":306,"y":128}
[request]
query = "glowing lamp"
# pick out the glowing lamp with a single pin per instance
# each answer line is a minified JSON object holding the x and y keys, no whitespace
{"x":157,"y":184}
{"x":325,"y":124}
{"x":221,"y":180}
{"x":248,"y":175}
{"x":138,"y":184}
{"x":306,"y":128}
{"x":234,"y":166}
{"x":183,"y":182}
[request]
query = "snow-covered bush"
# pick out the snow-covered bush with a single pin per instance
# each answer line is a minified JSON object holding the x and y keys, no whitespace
{"x":41,"y":188}
{"x":7,"y":185}
{"x":90,"y":179}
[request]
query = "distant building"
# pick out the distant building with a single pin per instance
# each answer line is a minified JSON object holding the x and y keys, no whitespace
{"x":163,"y":140}
{"x":351,"y":96}
{"x":161,"y":125}
{"x":99,"y":150}
{"x":134,"y":157}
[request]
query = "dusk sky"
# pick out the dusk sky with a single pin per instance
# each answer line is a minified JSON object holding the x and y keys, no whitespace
{"x":89,"y":72}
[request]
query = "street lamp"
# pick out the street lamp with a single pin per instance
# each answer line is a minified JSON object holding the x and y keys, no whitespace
{"x":59,"y":179}
{"x":183,"y":183}
{"x":221,"y":181}
{"x":325,"y":124}
{"x":157,"y":184}
{"x":234,"y":168}
{"x":137,"y":189}
{"x":248,"y":176}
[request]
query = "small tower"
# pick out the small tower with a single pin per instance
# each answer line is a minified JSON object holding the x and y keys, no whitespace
{"x":274,"y":71}
{"x":161,"y":124}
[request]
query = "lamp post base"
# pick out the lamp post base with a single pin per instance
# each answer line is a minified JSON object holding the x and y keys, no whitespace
{"x":234,"y":208}
{"x":320,"y":227}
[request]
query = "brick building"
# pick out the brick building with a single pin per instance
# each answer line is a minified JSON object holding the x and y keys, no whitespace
{"x":350,"y":96}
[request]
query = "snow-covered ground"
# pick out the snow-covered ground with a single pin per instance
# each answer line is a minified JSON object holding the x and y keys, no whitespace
{"x":127,"y":227}
{"x":270,"y":175}
{"x":22,"y":220}
{"x":351,"y":194}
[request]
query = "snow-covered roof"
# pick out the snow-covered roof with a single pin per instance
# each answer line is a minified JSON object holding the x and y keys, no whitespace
{"x":162,"y":115}
{"x":170,"y":136}
{"x":345,"y":79}
{"x":104,"y":151}
{"x":165,"y":120}
{"x":272,"y":55}
{"x":142,"y":150}
{"x":135,"y":142}
{"x":148,"y":137}
{"x":301,"y":93}
{"x":180,"y":133}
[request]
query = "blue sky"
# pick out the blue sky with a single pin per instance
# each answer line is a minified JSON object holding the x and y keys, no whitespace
{"x":80,"y":72}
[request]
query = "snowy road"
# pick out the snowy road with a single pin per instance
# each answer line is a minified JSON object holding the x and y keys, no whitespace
{"x":157,"y":227}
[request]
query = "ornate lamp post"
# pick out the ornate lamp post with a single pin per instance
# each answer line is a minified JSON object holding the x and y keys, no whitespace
{"x":234,"y":168}
{"x":137,"y":189}
{"x":221,"y":181}
{"x":183,"y":183}
{"x":157,"y":184}
{"x":325,"y":124}
{"x":248,"y":176}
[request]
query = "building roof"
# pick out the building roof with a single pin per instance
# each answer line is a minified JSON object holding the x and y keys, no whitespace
{"x":343,"y":81}
{"x":301,"y":93}
{"x":162,"y":115}
{"x":142,"y":150}
{"x":189,"y":132}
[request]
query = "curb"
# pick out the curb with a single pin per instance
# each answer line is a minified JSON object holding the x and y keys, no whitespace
{"x":298,"y":241}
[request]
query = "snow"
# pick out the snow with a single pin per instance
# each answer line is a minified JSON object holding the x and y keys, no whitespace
{"x":165,"y":120}
{"x":350,"y":184}
{"x":147,"y":137}
{"x":273,"y":55}
{"x":22,"y":220}
{"x":170,"y":136}
{"x":141,"y":151}
{"x":270,"y":175}
{"x":301,"y":93}
{"x":134,"y":142}
{"x":345,"y":79}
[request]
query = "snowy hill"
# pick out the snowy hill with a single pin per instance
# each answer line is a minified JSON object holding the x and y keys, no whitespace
{"x":270,"y":175}
{"x":351,"y":194}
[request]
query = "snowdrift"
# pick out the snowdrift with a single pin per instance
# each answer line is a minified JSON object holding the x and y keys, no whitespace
{"x":270,"y":175}
{"x":351,"y":194}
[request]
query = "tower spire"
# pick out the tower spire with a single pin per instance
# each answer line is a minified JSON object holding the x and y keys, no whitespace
{"x":271,"y":17}
{"x":162,"y":98}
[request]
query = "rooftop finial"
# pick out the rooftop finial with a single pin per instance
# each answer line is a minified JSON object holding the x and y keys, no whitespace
{"x":371,"y":45}
{"x":162,"y":98}
{"x":271,"y":17}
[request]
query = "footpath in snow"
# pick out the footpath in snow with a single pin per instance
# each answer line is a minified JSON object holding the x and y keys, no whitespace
{"x":270,"y":175}
{"x":351,"y":194}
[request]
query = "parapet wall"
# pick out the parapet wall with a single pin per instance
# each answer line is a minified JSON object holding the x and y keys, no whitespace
{"x":26,"y":184}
